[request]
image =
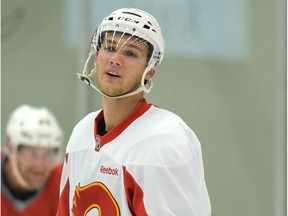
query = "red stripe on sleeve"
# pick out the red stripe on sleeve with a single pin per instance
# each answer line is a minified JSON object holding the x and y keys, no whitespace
{"x":134,"y":195}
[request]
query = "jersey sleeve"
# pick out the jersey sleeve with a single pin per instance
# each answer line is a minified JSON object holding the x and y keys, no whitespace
{"x":174,"y":190}
{"x":172,"y":176}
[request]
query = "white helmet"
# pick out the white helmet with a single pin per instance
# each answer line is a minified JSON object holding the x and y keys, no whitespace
{"x":34,"y":126}
{"x":136,"y":23}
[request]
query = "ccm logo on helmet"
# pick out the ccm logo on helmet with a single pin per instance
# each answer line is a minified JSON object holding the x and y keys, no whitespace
{"x":128,"y":19}
{"x":109,"y":171}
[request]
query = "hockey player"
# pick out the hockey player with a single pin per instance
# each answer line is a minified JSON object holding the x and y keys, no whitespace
{"x":30,"y":174}
{"x":131,"y":157}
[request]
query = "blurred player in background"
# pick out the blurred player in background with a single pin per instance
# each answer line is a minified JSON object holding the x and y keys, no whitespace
{"x":131,"y":157}
{"x":30,"y":172}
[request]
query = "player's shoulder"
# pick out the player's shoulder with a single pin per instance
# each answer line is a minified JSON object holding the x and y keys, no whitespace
{"x":165,"y":121}
{"x":57,"y":170}
{"x":167,"y":141}
{"x":55,"y":175}
{"x":158,"y":111}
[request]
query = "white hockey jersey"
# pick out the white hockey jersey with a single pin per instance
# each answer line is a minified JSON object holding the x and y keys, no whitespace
{"x":150,"y":164}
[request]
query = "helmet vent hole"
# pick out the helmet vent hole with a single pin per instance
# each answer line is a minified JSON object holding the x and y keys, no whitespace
{"x":24,"y":134}
{"x":146,"y":26}
{"x":110,"y":18}
{"x":44,"y":122}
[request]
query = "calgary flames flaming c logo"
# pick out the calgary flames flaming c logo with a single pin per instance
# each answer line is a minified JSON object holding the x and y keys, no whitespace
{"x":94,"y":199}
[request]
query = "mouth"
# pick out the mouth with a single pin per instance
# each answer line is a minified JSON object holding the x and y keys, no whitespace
{"x":112,"y":74}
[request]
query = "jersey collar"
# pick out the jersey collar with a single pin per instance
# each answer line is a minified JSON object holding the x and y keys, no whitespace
{"x":111,"y":135}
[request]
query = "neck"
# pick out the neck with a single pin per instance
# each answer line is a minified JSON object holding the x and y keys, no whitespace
{"x":116,"y":110}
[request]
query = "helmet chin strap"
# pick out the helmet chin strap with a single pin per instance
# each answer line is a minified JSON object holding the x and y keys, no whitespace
{"x":142,"y":87}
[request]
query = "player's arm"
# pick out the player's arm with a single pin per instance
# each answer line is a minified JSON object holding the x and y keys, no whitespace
{"x":172,"y":177}
{"x":175,"y":191}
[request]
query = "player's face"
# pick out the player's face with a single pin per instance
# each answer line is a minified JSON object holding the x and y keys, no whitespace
{"x":35,"y":164}
{"x":120,"y":64}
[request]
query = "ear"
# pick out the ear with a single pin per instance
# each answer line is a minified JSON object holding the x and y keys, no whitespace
{"x":150,"y":74}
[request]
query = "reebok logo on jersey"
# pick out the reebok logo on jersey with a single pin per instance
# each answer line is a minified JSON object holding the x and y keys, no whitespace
{"x":109,"y":171}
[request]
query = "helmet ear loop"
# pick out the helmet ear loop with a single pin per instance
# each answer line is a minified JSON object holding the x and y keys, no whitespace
{"x":147,"y":84}
{"x":16,"y":172}
{"x":85,"y":75}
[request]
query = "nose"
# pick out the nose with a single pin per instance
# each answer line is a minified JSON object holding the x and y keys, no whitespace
{"x":116,"y":60}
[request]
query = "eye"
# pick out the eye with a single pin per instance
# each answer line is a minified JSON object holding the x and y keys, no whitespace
{"x":109,"y":49}
{"x":131,"y":54}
